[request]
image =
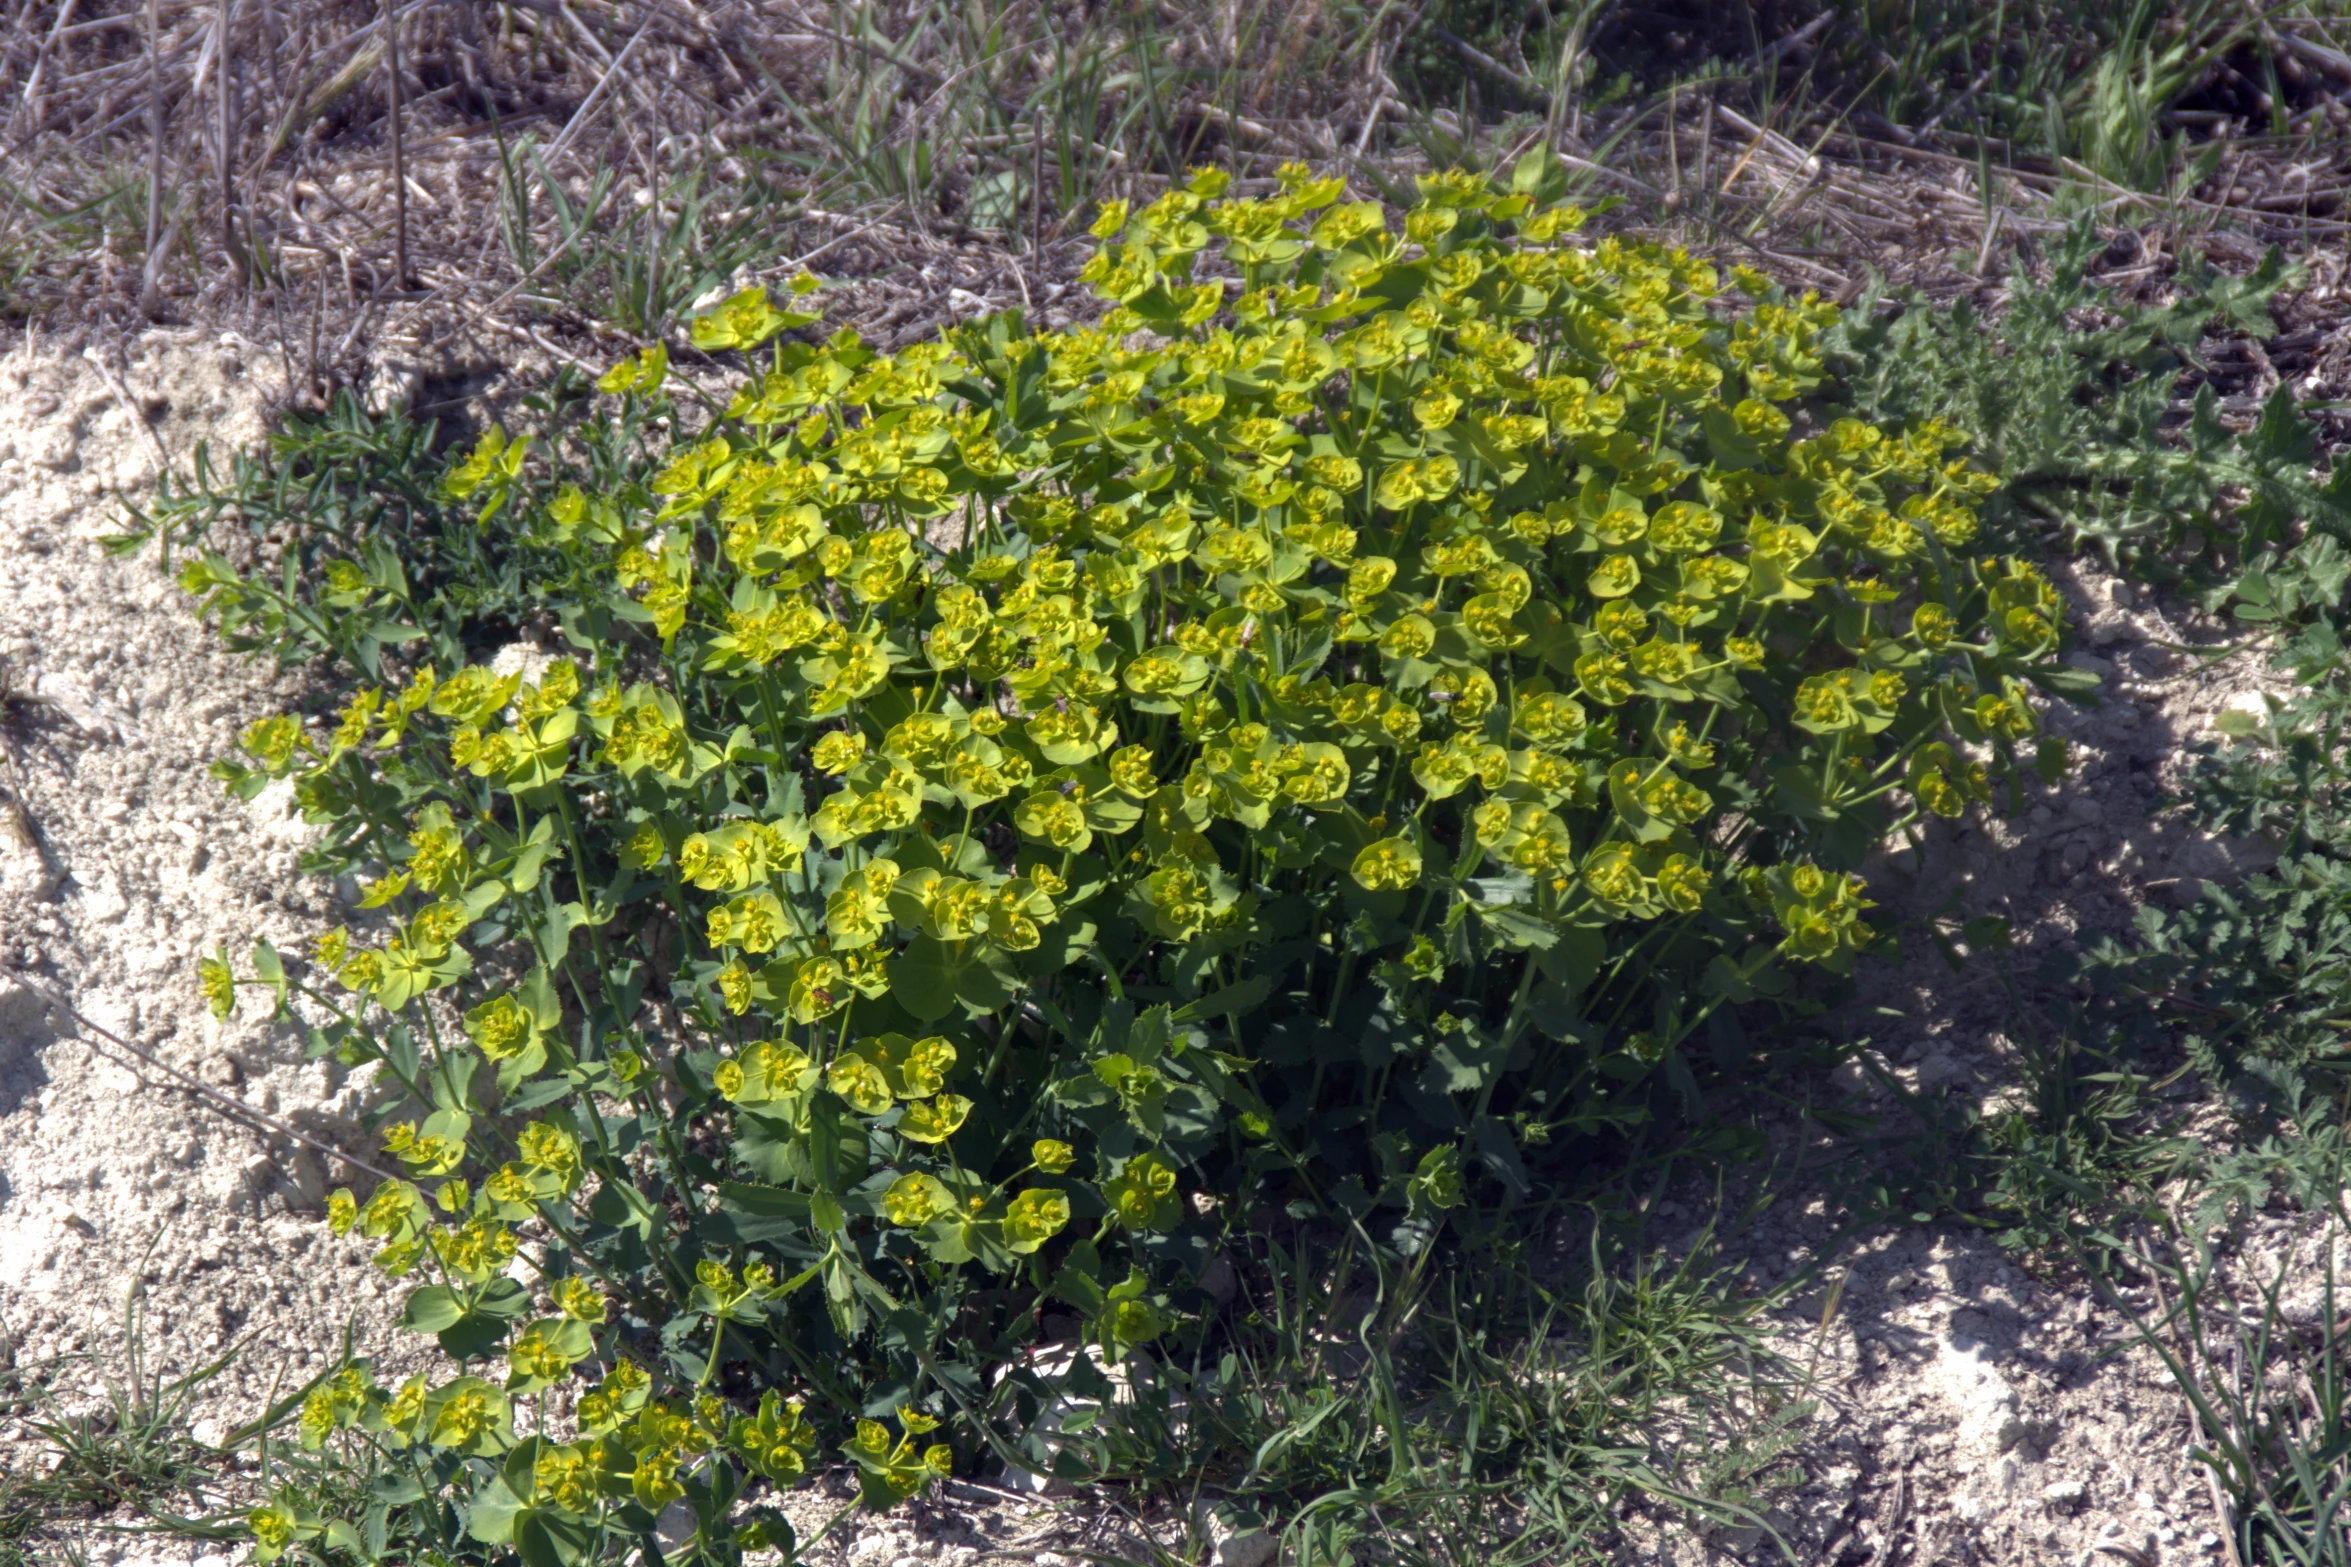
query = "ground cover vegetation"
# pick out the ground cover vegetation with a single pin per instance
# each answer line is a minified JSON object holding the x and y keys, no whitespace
{"x":993,"y":757}
{"x":1412,"y":1429}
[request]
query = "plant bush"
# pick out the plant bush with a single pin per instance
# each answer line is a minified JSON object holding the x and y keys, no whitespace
{"x":1359,"y":721}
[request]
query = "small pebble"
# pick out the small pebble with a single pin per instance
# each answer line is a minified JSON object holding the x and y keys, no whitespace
{"x":2065,"y":1493}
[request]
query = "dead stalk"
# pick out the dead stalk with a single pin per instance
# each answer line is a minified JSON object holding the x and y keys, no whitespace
{"x":30,"y":103}
{"x":400,"y":273}
{"x":225,"y":129}
{"x":151,"y":276}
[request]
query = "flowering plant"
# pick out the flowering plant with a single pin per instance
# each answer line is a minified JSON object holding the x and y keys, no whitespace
{"x":1369,"y":706}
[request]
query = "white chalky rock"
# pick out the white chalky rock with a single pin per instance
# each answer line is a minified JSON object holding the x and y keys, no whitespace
{"x":1987,"y":1406}
{"x":526,"y":659}
{"x":1236,"y":1536}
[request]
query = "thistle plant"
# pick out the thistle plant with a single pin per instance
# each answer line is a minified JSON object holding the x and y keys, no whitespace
{"x":1335,"y":731}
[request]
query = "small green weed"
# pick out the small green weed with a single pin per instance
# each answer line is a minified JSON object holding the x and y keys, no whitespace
{"x":690,"y":235}
{"x":2067,"y":393}
{"x":135,"y":1452}
{"x":2089,"y":1146}
{"x":2082,"y":1146}
{"x":1023,"y":121}
{"x":2266,"y":1370}
{"x":2252,"y":982}
{"x":2074,"y":1144}
{"x":377,"y":557}
{"x":1457,"y":1417}
{"x":76,"y":210}
{"x":2073,"y":418}
{"x":2110,"y":122}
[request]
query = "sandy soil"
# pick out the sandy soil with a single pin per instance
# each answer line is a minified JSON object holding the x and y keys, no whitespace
{"x":110,"y":1179}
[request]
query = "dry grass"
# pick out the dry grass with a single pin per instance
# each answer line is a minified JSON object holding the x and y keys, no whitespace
{"x":586,"y":165}
{"x":575,"y":174}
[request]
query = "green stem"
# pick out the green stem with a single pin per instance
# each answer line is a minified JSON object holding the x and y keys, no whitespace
{"x":718,"y":1334}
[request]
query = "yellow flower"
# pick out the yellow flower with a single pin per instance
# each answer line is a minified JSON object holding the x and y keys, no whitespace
{"x":580,"y":1300}
{"x":1033,"y":1218}
{"x":273,"y":741}
{"x":1415,"y":480}
{"x":1056,"y":820}
{"x":1682,"y":883}
{"x":1612,"y":876}
{"x":1412,"y":636}
{"x":734,"y":987}
{"x":272,"y":1525}
{"x":1824,"y":705}
{"x":547,"y":1147}
{"x":861,"y":1082}
{"x":915,"y":1199}
{"x":1615,"y":577}
{"x":819,"y":988}
{"x":219,"y":986}
{"x":1389,"y":865}
{"x":934,"y":1120}
{"x":499,"y":1028}
{"x":1549,"y":717}
{"x":838,"y":751}
{"x":466,"y":1416}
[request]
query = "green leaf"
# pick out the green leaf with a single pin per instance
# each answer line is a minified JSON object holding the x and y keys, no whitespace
{"x":537,"y":994}
{"x":1464,"y":1062}
{"x":2080,"y":686}
{"x":394,"y":1490}
{"x":772,"y":1202}
{"x":544,"y":1537}
{"x":561,"y":921}
{"x":769,"y":1148}
{"x":1516,"y":928}
{"x":482,"y":1317}
{"x":1242,"y":996}
{"x":1796,"y":790}
{"x":524,"y":877}
{"x":503,"y":1297}
{"x":1540,"y":174}
{"x":490,"y":1515}
{"x":1498,"y":1151}
{"x":983,"y":988}
{"x":431,"y":1309}
{"x":923,"y":980}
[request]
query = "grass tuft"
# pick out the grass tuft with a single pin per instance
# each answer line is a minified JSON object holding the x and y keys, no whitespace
{"x":134,"y":1453}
